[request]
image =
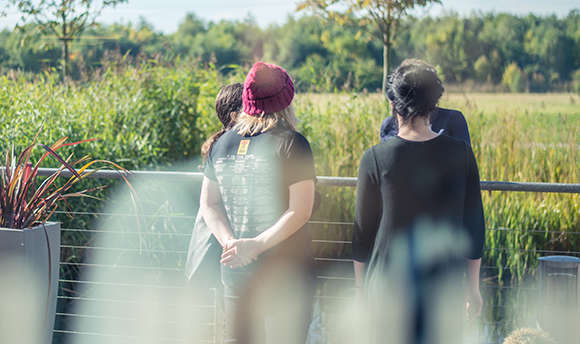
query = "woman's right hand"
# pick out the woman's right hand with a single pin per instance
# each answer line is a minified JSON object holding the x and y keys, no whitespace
{"x":241,"y":252}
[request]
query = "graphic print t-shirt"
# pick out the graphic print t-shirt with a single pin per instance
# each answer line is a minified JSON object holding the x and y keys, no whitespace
{"x":254,"y":173}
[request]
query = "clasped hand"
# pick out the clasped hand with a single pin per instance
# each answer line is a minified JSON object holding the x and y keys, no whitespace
{"x":241,"y":252}
{"x":474,"y":304}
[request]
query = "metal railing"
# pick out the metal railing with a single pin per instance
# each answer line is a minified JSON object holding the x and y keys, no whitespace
{"x":321,"y":180}
{"x":76,"y":290}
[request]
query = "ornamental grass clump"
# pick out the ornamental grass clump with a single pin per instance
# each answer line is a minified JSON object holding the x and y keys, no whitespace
{"x":26,"y":202}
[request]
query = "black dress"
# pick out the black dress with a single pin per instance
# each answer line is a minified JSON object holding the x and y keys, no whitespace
{"x":403,"y":182}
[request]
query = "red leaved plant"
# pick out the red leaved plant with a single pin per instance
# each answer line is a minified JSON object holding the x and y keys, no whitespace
{"x":24,"y":203}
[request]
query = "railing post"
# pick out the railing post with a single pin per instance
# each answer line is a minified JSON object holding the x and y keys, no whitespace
{"x":559,"y":281}
{"x":218,"y":316}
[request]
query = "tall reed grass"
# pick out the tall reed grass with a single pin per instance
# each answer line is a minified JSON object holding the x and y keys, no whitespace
{"x":144,"y":117}
{"x":155,"y":115}
{"x":528,"y":138}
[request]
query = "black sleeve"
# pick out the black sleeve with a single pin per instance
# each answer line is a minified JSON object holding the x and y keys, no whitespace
{"x":368,"y":209}
{"x":299,"y":161}
{"x":209,"y":170}
{"x":459,"y":128}
{"x":473,"y":218}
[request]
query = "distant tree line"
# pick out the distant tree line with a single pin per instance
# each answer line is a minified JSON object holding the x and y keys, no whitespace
{"x":486,"y":51}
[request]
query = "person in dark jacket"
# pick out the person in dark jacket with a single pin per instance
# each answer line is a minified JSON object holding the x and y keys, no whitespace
{"x":444,"y":121}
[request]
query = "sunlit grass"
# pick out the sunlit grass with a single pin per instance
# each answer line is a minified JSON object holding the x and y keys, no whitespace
{"x":515,"y":137}
{"x":151,"y":116}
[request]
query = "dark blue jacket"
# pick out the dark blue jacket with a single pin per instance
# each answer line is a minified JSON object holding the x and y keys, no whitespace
{"x":451,"y":122}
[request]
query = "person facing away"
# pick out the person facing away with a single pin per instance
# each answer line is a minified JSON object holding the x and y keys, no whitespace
{"x":445,"y":121}
{"x":257,"y":196}
{"x":202,"y":264}
{"x":415,"y":177}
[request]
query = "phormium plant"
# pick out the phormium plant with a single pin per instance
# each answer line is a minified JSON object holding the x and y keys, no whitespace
{"x":26,"y":202}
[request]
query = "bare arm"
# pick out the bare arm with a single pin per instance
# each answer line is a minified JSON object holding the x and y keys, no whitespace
{"x":359,"y":273}
{"x":301,"y":201}
{"x":474,"y":222}
{"x":474,"y":300}
{"x":473,"y":267}
{"x":299,"y":211}
{"x":213,"y":211}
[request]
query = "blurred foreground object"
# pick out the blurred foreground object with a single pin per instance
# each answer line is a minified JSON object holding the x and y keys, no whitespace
{"x":417,"y":295}
{"x":559,"y":281}
{"x":528,"y":336}
{"x":29,"y":246}
{"x":133,"y":291}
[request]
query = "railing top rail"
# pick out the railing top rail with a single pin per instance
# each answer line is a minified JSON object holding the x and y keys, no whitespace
{"x":321,"y":180}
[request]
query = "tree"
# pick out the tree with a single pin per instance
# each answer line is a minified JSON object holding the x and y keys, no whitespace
{"x":514,"y":79}
{"x":482,"y":69}
{"x":385,"y":14}
{"x":549,"y":48}
{"x":447,"y":46}
{"x":576,"y":81}
{"x":188,"y":29}
{"x":298,"y":39}
{"x":66,"y":19}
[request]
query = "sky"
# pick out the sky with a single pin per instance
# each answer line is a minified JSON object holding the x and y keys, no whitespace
{"x":165,"y":15}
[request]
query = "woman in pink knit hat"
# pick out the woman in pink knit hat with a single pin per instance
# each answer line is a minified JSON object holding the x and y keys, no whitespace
{"x":257,"y":196}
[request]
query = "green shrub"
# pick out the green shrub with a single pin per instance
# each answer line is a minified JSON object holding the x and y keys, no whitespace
{"x":576,"y":81}
{"x":514,"y":78}
{"x":143,"y":117}
{"x":483,"y":69}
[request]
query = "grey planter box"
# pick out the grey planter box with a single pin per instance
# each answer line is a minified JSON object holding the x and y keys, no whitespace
{"x":28,"y":283}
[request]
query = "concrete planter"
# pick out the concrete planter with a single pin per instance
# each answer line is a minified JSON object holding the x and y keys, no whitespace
{"x":29,"y":270}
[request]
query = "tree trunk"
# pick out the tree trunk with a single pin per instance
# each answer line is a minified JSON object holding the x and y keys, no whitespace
{"x":386,"y":60}
{"x":385,"y":67}
{"x":387,"y":33}
{"x":65,"y":54}
{"x":65,"y":58}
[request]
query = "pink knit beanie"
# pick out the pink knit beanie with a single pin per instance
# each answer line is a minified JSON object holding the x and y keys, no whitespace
{"x":267,"y":89}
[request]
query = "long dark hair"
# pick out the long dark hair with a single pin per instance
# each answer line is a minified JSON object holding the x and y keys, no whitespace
{"x":414,"y":89}
{"x":228,"y":105}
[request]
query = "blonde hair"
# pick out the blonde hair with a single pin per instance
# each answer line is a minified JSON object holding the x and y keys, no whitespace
{"x":249,"y":125}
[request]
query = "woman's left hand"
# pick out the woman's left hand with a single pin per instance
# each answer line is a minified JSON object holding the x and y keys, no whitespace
{"x":474,"y":304}
{"x":241,"y":252}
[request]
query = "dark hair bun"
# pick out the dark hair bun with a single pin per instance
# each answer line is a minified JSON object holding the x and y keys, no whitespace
{"x":414,"y":89}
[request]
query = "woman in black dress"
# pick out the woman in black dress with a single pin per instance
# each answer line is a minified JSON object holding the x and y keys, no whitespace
{"x":415,"y":178}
